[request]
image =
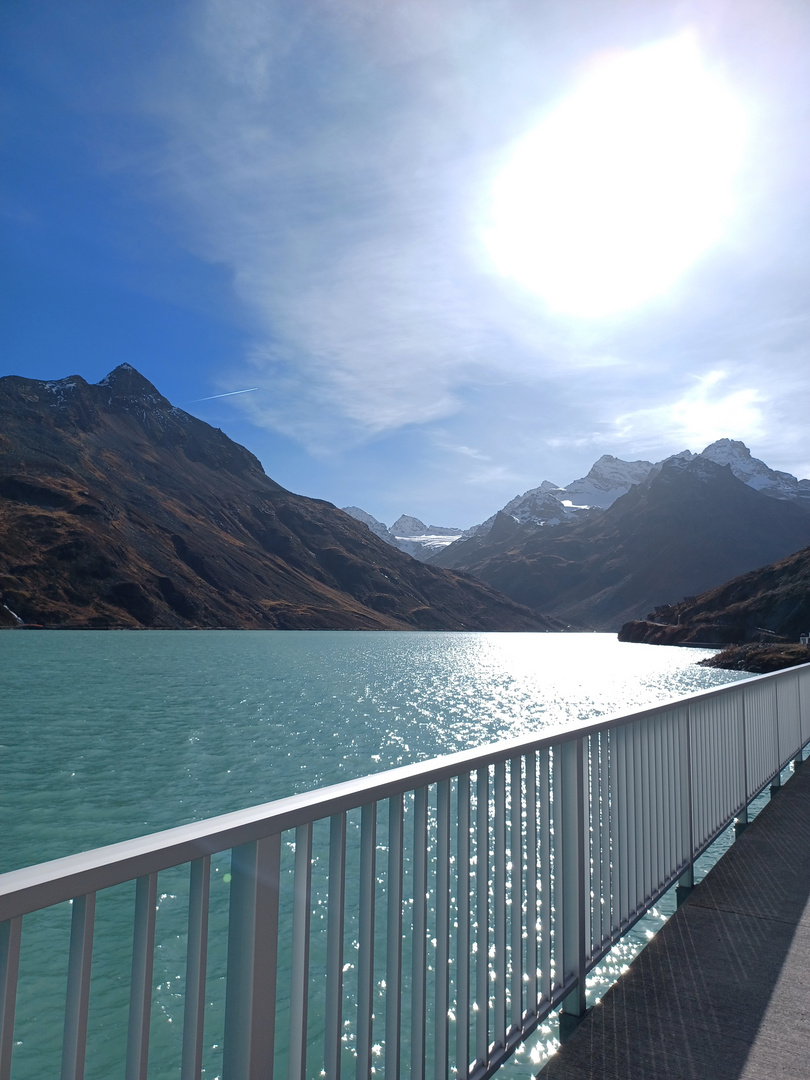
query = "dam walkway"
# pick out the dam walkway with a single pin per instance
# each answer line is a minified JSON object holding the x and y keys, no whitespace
{"x":722,"y":992}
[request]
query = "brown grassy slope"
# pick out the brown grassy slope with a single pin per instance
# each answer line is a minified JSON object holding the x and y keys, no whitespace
{"x":117,"y":509}
{"x":770,"y":603}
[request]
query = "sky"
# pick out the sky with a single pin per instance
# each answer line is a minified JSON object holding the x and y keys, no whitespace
{"x":451,"y":248}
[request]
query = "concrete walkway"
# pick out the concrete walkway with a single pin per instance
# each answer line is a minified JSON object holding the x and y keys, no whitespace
{"x":722,"y":992}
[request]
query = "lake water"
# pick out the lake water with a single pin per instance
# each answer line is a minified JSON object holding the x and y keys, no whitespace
{"x":109,"y":735}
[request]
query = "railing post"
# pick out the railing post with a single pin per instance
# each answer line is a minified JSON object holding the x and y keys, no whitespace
{"x":196,"y":959}
{"x":393,"y":989}
{"x":797,"y":757}
{"x":299,"y":982}
{"x":572,"y":776}
{"x":686,"y":882}
{"x":250,"y":997}
{"x":463,"y":1019}
{"x":10,"y":932}
{"x":776,"y":781}
{"x":365,"y":953}
{"x":418,"y":941}
{"x":140,"y":995}
{"x":741,"y":821}
{"x":78,"y":987}
{"x":336,"y":906}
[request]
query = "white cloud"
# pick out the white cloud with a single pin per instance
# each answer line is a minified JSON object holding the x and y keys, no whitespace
{"x":337,"y":158}
{"x":701,"y":415}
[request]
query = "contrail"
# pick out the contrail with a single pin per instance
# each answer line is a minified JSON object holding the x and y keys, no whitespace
{"x":213,"y":397}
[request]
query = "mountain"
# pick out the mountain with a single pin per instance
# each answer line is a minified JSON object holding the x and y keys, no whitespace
{"x":755,"y":473}
{"x":767,"y":604}
{"x":118,"y":509}
{"x":408,"y":533}
{"x":608,"y":479}
{"x":689,"y":526}
{"x":546,"y":505}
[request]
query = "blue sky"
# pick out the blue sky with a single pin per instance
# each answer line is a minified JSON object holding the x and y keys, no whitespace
{"x":296,"y":197}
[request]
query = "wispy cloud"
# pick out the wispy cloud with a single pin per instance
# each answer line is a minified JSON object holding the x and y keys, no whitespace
{"x":337,"y":158}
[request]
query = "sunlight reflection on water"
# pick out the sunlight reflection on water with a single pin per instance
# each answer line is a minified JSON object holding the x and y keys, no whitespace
{"x":111,"y":735}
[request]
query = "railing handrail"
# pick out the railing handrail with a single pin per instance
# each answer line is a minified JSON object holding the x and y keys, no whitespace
{"x":55,"y":881}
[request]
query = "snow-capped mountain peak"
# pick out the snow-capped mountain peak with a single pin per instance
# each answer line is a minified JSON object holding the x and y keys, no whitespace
{"x":751,"y":470}
{"x":608,"y":479}
{"x":406,"y":525}
{"x":377,"y":527}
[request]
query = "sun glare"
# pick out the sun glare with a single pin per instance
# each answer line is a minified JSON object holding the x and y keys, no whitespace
{"x":623,"y":186}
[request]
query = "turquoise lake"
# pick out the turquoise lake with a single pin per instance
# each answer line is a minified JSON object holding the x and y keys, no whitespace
{"x":109,"y":735}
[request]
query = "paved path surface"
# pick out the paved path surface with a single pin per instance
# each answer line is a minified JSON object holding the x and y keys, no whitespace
{"x":722,"y":992}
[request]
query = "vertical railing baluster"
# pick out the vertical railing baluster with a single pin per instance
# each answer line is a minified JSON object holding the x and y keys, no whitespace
{"x":516,"y":895}
{"x":250,"y":995}
{"x":743,"y":816}
{"x":442,"y":999}
{"x":299,"y":976}
{"x":463,"y":1017}
{"x":419,"y":939}
{"x":80,"y":957}
{"x":650,"y":808}
{"x":531,"y":884}
{"x":659,"y":782}
{"x":499,"y":904}
{"x":687,"y":879}
{"x":605,"y":900}
{"x":572,"y":849}
{"x":612,"y":916}
{"x":597,"y":873}
{"x":544,"y":798}
{"x":365,"y":956}
{"x":589,"y":747}
{"x":482,"y":916}
{"x":196,"y":961}
{"x":393,"y":964}
{"x":669,"y":757}
{"x":634,"y":860}
{"x":10,"y":933}
{"x":335,"y":918}
{"x":621,"y":847}
{"x":143,"y":957}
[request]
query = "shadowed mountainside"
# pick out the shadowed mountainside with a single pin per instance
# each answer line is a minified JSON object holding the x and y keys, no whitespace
{"x":689,"y":527}
{"x":770,"y":604}
{"x":119,"y":510}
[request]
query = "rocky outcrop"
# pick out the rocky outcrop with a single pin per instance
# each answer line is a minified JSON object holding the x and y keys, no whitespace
{"x":758,"y":659}
{"x":769,"y":604}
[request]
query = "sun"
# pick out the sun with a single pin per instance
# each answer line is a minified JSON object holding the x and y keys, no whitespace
{"x":624,"y":184}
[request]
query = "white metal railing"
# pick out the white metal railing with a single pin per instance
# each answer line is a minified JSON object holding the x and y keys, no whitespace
{"x":422,"y":921}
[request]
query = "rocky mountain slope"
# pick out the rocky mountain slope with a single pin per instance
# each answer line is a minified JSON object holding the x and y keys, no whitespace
{"x":690,"y":526}
{"x":771,"y":603}
{"x":608,"y":479}
{"x":117,"y":509}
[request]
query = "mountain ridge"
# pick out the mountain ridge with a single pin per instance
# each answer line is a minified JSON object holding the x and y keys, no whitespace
{"x":690,"y":526}
{"x":119,"y":509}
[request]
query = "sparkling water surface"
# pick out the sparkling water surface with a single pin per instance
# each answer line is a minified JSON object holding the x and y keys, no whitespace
{"x":109,"y":735}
